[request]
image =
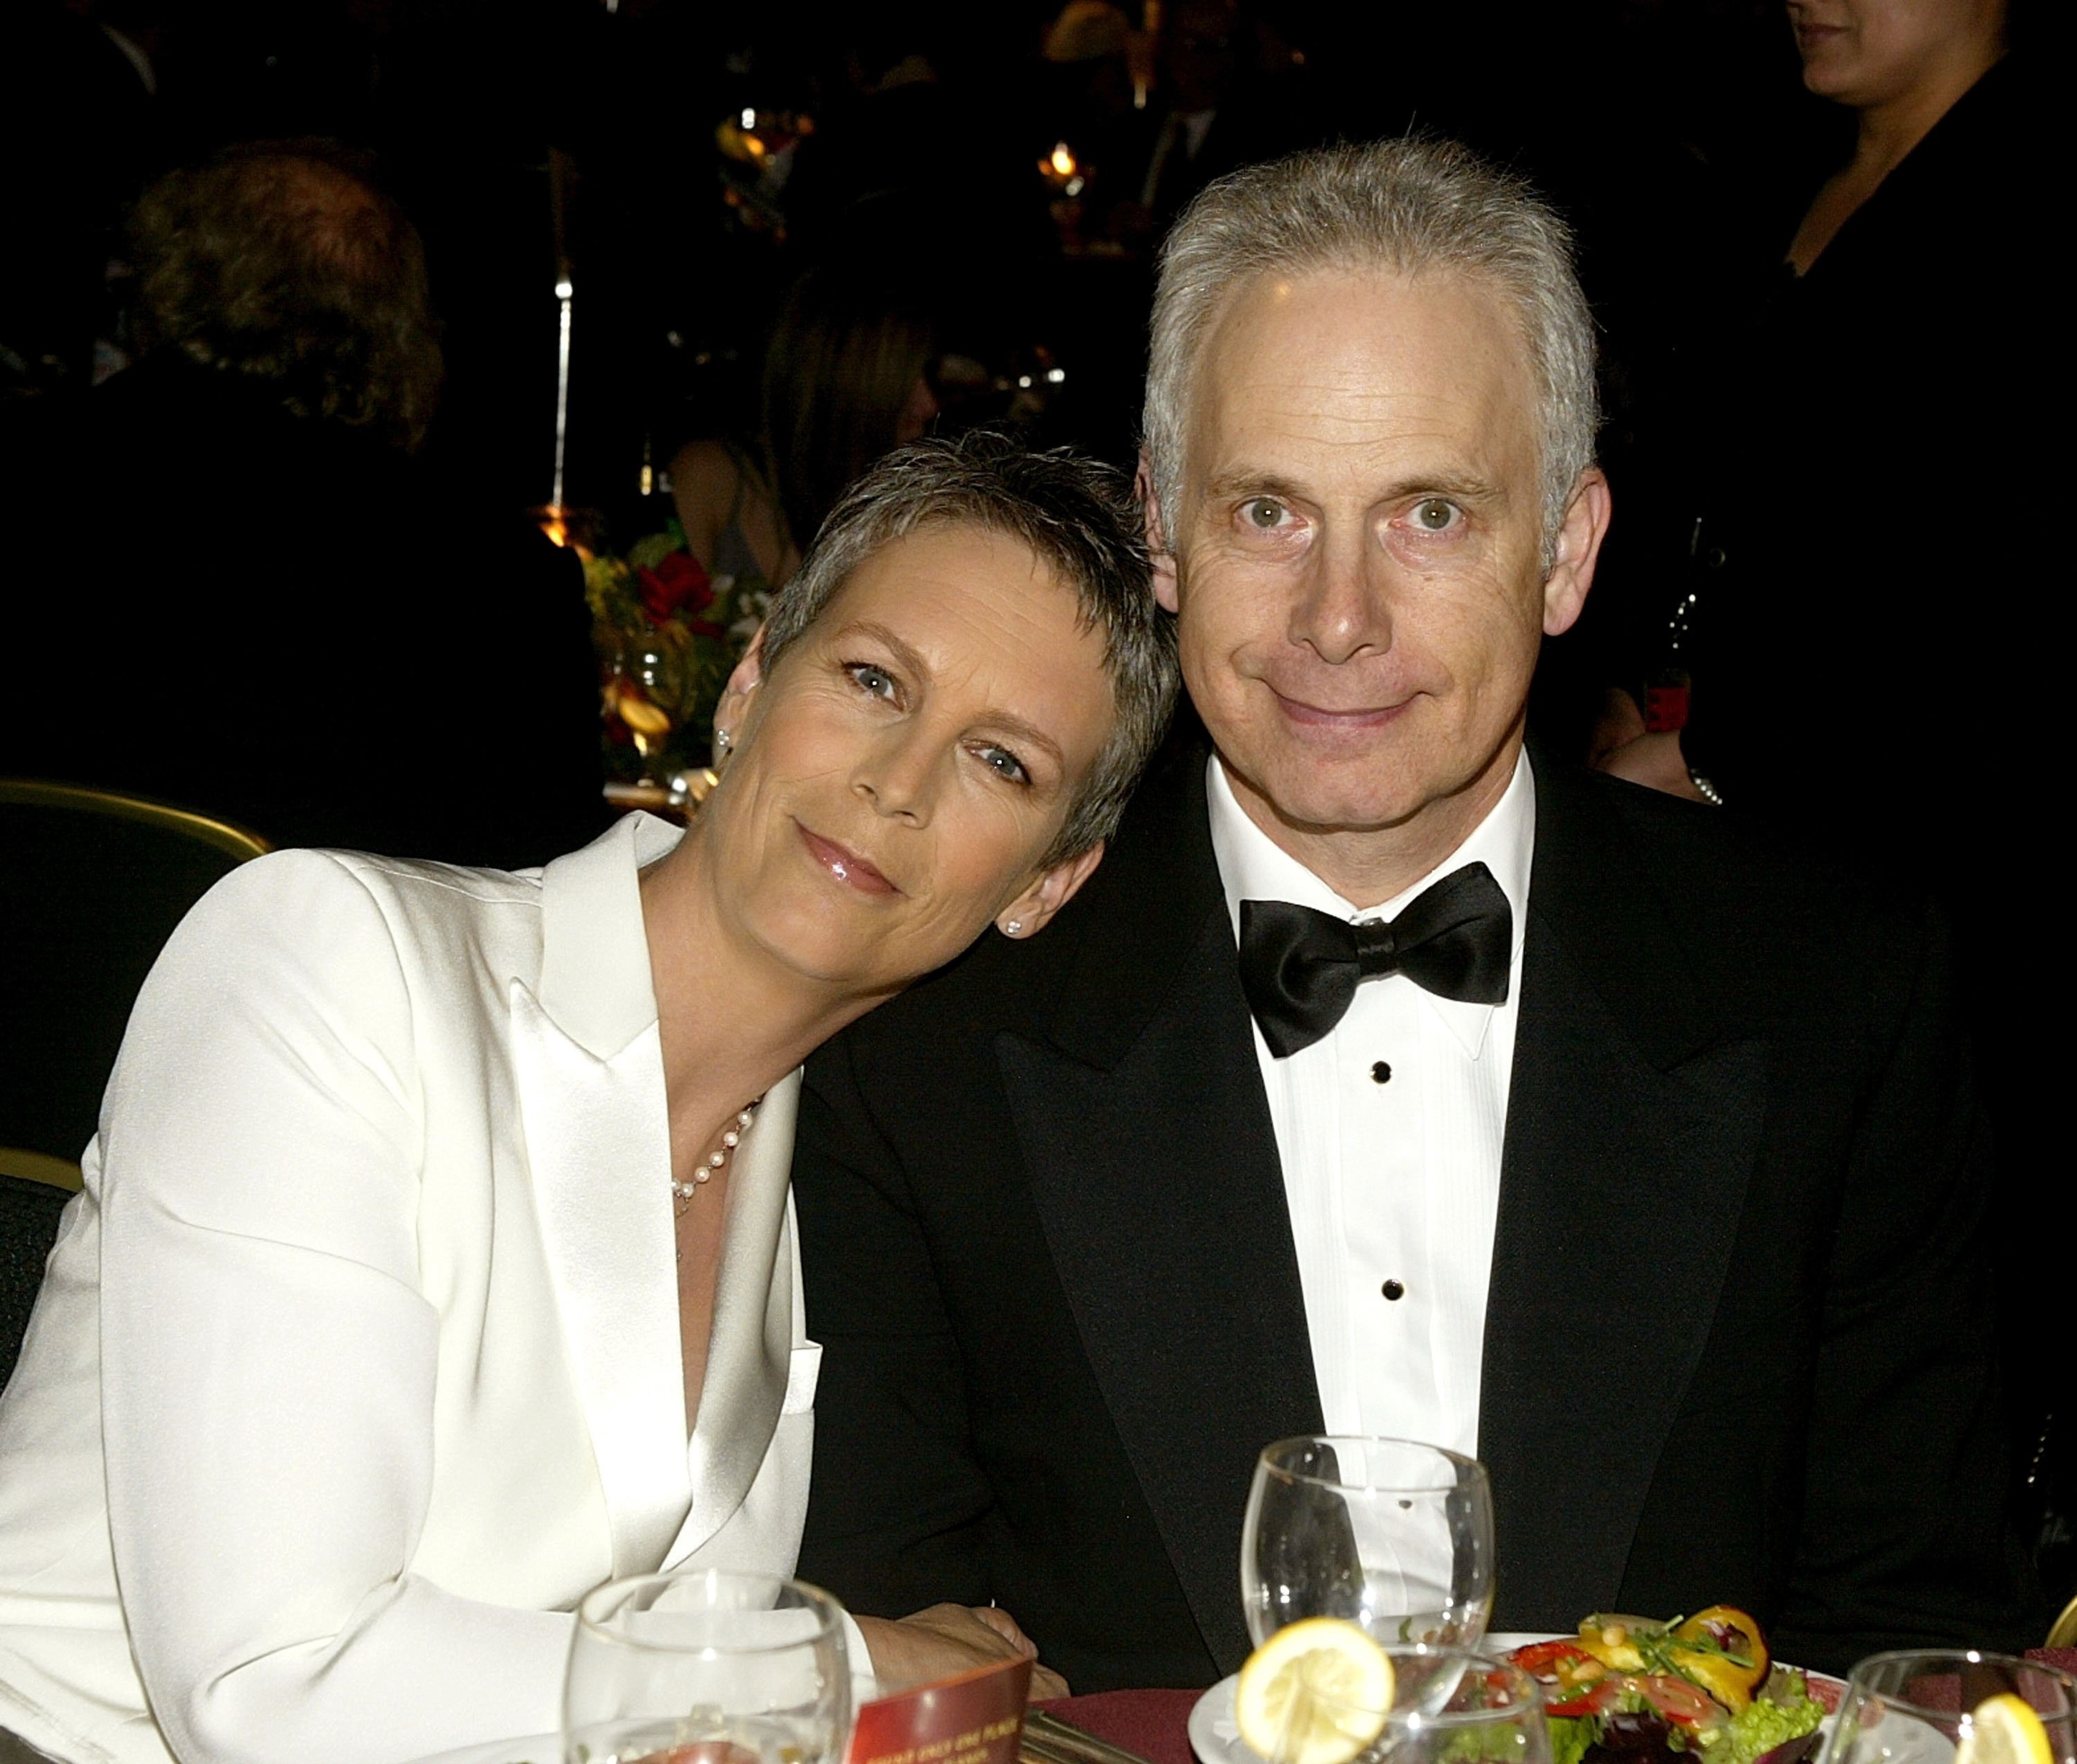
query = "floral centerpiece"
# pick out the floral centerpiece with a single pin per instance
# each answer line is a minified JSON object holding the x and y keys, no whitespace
{"x":666,"y":634}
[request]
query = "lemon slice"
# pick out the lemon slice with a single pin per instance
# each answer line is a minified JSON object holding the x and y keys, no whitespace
{"x":644,"y":717}
{"x":2004,"y":1730}
{"x":1317,"y":1692}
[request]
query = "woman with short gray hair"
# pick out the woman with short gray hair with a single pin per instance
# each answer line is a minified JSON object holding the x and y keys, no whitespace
{"x":436,"y":1258}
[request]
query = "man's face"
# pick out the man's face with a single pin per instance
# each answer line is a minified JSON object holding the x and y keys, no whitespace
{"x":1358,"y":545}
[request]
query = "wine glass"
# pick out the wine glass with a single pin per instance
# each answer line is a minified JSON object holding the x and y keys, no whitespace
{"x":1395,"y":1536}
{"x":1915,"y":1706}
{"x":707,"y":1666}
{"x":1448,"y":1706}
{"x":645,"y":685}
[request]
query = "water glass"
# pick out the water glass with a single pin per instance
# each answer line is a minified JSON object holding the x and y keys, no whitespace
{"x":707,"y":1666}
{"x":1393,"y":1535}
{"x":1915,"y":1706}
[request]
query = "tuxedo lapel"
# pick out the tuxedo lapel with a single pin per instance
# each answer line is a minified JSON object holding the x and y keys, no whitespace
{"x":591,"y":1077}
{"x":1140,"y":1113}
{"x":1631,"y":1133}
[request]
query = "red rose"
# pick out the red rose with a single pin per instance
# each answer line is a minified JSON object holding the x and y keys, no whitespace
{"x":677,"y":582}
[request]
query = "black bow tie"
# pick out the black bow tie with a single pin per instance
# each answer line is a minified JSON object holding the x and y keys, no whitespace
{"x":1300,"y":969}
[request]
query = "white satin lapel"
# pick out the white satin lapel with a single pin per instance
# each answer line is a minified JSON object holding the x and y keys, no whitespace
{"x":751,"y":1351}
{"x":591,"y":1080}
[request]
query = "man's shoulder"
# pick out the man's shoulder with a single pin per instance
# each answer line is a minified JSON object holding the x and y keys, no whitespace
{"x":1694,"y":850}
{"x":1754,"y":913}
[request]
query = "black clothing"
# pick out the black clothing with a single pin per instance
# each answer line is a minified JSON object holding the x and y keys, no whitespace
{"x":281,"y":622}
{"x":1880,"y":639}
{"x":1737,"y":1347}
{"x":1858,"y":671}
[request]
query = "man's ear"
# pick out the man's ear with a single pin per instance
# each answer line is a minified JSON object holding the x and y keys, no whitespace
{"x":1580,"y":536}
{"x":743,"y":680}
{"x":1158,"y":545}
{"x":1053,"y":889}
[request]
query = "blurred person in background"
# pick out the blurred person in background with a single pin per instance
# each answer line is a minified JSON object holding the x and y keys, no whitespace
{"x":846,"y":380}
{"x":1230,"y":93}
{"x":241,"y":593}
{"x":1872,"y":606}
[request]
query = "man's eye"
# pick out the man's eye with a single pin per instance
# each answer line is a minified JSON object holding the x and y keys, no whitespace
{"x":1263,"y":511}
{"x":869,"y":678}
{"x":1435,"y":515}
{"x":1002,"y":760}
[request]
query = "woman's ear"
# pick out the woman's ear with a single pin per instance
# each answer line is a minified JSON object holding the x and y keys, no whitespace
{"x":743,"y":680}
{"x":1053,"y":889}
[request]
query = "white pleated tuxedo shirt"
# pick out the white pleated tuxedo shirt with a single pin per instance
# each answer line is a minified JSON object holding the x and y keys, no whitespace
{"x":358,"y":1361}
{"x":1389,"y":1129}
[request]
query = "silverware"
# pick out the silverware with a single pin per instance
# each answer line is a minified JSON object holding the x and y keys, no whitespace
{"x":1049,"y":1740}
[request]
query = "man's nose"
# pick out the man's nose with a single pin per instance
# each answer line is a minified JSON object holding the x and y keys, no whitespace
{"x":1342,"y":609}
{"x":898,"y":774}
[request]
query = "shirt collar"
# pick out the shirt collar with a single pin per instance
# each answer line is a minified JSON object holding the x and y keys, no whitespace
{"x":1253,"y":867}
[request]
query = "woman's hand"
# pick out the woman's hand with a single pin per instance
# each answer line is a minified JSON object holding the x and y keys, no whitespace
{"x":948,"y":1639}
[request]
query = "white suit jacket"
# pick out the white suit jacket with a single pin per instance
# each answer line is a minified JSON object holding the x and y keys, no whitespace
{"x":357,"y":1362}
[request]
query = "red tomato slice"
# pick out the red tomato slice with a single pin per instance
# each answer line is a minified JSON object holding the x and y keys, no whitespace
{"x":1565,"y":1671}
{"x":1684,"y":1704}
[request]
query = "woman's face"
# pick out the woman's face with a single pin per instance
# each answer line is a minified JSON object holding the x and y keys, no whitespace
{"x":904,"y":768}
{"x":1867,"y":52}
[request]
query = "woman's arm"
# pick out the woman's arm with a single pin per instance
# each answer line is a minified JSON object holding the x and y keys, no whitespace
{"x":268,"y":1357}
{"x":706,"y":483}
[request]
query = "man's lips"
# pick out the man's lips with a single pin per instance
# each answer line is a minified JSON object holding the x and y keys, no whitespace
{"x":1330,"y":718}
{"x":846,"y":866}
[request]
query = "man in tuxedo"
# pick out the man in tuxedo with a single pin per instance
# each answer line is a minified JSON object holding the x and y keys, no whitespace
{"x":1388,"y":1078}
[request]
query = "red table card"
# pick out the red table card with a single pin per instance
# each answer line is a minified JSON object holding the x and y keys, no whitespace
{"x":977,"y":1718}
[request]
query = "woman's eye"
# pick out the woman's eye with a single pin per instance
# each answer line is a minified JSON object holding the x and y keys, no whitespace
{"x":1435,"y":515}
{"x":1002,"y":760}
{"x":869,"y":678}
{"x":1263,"y":512}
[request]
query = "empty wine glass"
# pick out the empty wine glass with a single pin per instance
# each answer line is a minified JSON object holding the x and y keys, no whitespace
{"x":1395,"y":1536}
{"x":707,"y":1666}
{"x":1915,"y":1706}
{"x":1448,"y":1706}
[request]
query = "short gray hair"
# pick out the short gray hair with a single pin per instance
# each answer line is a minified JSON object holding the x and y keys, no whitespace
{"x":1078,"y":519}
{"x":1411,"y":207}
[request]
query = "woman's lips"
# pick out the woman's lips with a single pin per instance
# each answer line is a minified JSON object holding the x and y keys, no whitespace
{"x":846,"y":866}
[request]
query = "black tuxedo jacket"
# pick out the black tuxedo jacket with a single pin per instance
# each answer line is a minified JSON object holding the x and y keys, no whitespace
{"x":1738,"y":1347}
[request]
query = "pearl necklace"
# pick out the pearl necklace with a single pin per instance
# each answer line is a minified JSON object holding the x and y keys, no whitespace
{"x":682,"y":1192}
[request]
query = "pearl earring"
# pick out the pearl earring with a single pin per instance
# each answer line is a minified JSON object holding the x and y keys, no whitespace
{"x":721,"y":743}
{"x":1012,"y":928}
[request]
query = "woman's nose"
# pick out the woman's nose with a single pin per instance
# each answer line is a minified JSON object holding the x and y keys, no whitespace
{"x":897,"y":775}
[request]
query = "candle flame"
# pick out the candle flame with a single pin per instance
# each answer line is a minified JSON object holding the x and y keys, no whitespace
{"x":1063,"y":161}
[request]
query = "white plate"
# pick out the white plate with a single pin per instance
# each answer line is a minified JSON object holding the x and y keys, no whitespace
{"x":1216,"y":1739}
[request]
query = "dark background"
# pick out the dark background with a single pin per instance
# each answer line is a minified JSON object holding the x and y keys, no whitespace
{"x":1669,"y":133}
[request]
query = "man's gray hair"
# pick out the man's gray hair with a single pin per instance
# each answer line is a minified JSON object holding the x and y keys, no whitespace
{"x":1077,"y":518}
{"x":1410,"y":207}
